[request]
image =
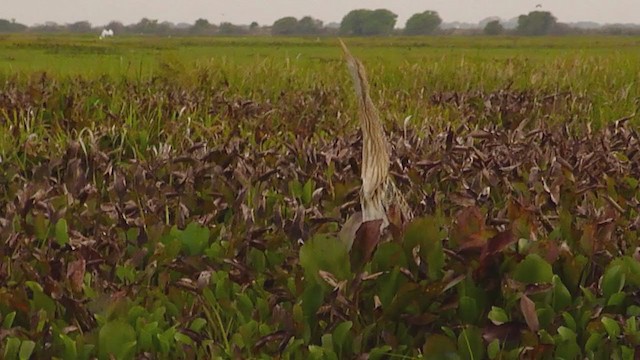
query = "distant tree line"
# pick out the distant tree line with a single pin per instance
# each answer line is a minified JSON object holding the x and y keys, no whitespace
{"x":145,"y":26}
{"x":359,"y":22}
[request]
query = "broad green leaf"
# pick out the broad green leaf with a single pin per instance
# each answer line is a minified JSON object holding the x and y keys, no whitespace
{"x":41,"y":301}
{"x":292,"y":348}
{"x":307,"y":191}
{"x":256,"y":259}
{"x":327,"y":342}
{"x":125,"y":273}
{"x":427,"y":233}
{"x":41,"y":227}
{"x":388,"y":285}
{"x":135,"y":312}
{"x":8,"y":320}
{"x":62,"y":232}
{"x":632,"y":274}
{"x":182,"y":338}
{"x":387,"y":256}
{"x":86,"y":352}
{"x":197,"y":324}
{"x":566,"y":334}
{"x":569,"y":321}
{"x":498,"y":316}
{"x":573,"y":268}
{"x":70,"y":348}
{"x":166,"y":339}
{"x":567,"y":350}
{"x":468,"y":310}
{"x":613,"y":280}
{"x":26,"y":349}
{"x":244,"y":305}
{"x":11,"y":348}
{"x":435,"y":261}
{"x":127,"y":351}
{"x":561,"y":295}
{"x":617,"y":299}
{"x":316,"y":352}
{"x":194,"y":238}
{"x":546,"y":316}
{"x":440,"y":347}
{"x":493,"y":349}
{"x":324,"y":253}
{"x":132,"y":234}
{"x":631,"y":326}
{"x":114,"y":337}
{"x":341,"y":332}
{"x":588,"y":295}
{"x":379,"y":352}
{"x":633,"y":310}
{"x":312,"y":298}
{"x":546,"y":338}
{"x":470,"y":344}
{"x":533,"y":269}
{"x":612,"y":327}
{"x":448,"y":332}
{"x":595,"y":340}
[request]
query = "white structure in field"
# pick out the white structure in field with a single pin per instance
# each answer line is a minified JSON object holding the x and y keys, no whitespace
{"x":106,"y":33}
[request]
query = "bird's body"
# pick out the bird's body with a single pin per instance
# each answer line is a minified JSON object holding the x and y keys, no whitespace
{"x":379,"y":195}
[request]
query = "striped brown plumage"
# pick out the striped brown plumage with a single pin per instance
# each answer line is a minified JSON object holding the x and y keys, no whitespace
{"x":379,"y":195}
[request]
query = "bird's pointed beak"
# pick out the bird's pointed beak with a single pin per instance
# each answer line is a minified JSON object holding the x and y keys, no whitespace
{"x":345,"y":50}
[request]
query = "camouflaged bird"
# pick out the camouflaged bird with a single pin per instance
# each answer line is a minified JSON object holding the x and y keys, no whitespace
{"x":380,"y":198}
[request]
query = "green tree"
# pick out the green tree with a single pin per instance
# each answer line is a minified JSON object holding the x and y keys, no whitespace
{"x":493,"y":28}
{"x":117,"y":27}
{"x":285,"y":26}
{"x":12,"y":26}
{"x":353,"y":22}
{"x":227,"y":28}
{"x":203,"y":27}
{"x":422,"y":23}
{"x":48,"y":27}
{"x":363,"y":22}
{"x":309,"y":26}
{"x":145,"y":26}
{"x":380,"y":22}
{"x":536,"y":23}
{"x":79,"y":27}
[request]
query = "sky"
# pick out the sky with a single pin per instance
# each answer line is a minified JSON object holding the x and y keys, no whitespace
{"x":265,"y":12}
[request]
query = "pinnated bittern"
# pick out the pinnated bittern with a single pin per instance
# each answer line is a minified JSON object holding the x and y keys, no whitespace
{"x":379,"y":196}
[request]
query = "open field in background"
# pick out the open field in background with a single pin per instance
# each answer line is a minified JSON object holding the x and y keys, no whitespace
{"x":155,"y":195}
{"x":597,"y":76}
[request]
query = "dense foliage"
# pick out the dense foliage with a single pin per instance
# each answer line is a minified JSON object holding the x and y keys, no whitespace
{"x":365,"y":22}
{"x":424,"y":23}
{"x":493,"y":28}
{"x":536,"y":23}
{"x":196,"y":213}
{"x":360,"y":22}
{"x":292,"y":26}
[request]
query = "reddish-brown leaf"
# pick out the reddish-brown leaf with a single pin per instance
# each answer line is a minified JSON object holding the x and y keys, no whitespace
{"x":502,"y":332}
{"x":497,"y":244}
{"x":75,"y":274}
{"x":469,"y":226}
{"x":367,"y":238}
{"x":528,"y":308}
{"x":396,"y":223}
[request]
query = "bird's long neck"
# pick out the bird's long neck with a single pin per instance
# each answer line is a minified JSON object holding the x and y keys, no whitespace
{"x":375,"y":149}
{"x":375,"y":154}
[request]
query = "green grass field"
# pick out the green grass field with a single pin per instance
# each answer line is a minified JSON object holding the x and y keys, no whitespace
{"x":168,"y":198}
